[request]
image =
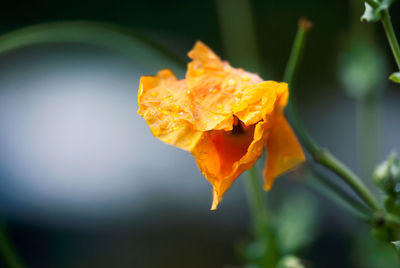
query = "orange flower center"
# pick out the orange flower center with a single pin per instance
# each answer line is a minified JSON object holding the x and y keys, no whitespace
{"x":232,"y":145}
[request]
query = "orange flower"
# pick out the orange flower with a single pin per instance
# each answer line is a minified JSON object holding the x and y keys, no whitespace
{"x":223,"y":116}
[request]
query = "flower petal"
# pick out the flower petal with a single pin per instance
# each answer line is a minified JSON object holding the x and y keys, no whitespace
{"x":223,"y":156}
{"x":214,"y":85}
{"x":257,"y":102}
{"x":283,"y":150}
{"x":166,"y":108}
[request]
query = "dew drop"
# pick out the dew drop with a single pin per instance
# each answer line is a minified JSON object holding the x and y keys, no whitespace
{"x":231,"y":82}
{"x":213,"y":90}
{"x":245,"y":77}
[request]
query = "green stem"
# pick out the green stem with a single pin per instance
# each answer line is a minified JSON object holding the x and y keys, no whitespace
{"x":297,"y":51}
{"x":389,"y":31}
{"x":320,"y":155}
{"x":391,"y":36}
{"x":256,"y":200}
{"x":288,"y":77}
{"x":368,"y":133}
{"x":263,"y":227}
{"x":324,"y":185}
{"x":326,"y":159}
{"x":7,"y":250}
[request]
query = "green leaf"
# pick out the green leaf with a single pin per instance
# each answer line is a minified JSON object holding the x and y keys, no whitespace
{"x":395,"y":77}
{"x":370,"y":14}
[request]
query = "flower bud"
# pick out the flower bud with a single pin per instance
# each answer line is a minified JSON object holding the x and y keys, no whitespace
{"x":387,"y":175}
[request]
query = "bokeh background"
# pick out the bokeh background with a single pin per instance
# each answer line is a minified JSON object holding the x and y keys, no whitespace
{"x":84,"y":184}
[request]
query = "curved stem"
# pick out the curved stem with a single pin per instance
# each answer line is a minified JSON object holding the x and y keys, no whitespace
{"x":256,"y":200}
{"x":391,"y":36}
{"x":388,"y":27}
{"x":288,"y":77}
{"x":328,"y":160}
{"x":320,"y":155}
{"x":98,"y":34}
{"x":323,"y":184}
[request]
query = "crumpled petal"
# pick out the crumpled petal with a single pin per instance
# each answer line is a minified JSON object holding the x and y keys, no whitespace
{"x":222,"y":157}
{"x":257,"y":102}
{"x":165,"y":107}
{"x":213,"y":85}
{"x":283,"y":151}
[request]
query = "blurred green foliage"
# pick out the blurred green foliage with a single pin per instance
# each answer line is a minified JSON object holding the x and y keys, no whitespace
{"x":290,"y":262}
{"x":296,"y":223}
{"x":362,"y":71}
{"x":369,"y":252}
{"x":291,"y":229}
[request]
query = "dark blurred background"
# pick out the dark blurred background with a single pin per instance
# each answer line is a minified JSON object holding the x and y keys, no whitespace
{"x":84,"y":184}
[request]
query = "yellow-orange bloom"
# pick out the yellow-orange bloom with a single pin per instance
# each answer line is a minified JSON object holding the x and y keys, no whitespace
{"x":224,"y":116}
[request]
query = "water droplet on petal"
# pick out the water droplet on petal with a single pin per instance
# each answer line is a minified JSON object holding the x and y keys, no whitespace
{"x":245,"y":77}
{"x":213,"y":90}
{"x":231,"y":82}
